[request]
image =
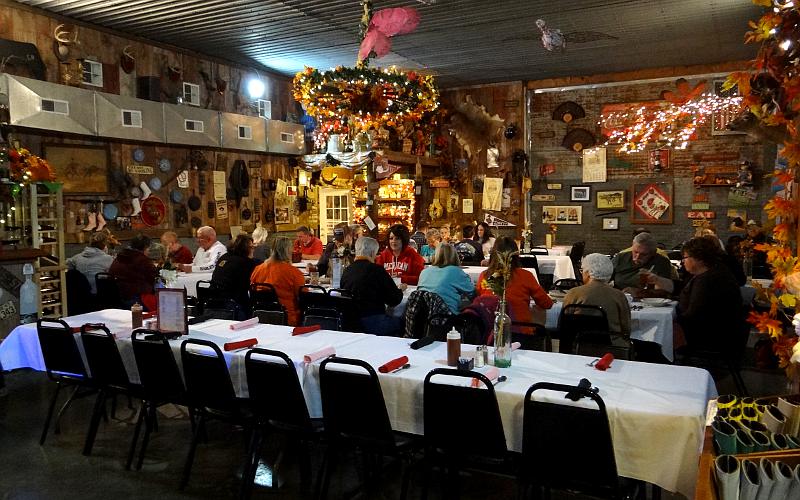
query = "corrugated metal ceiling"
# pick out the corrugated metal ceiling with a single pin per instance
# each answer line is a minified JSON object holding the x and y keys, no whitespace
{"x":465,"y":42}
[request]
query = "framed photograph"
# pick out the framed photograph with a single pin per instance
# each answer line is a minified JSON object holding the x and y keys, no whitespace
{"x":610,"y":223}
{"x":281,"y":215}
{"x":291,"y":190}
{"x":171,"y":309}
{"x":562,"y":214}
{"x":652,"y":203}
{"x":658,"y":160}
{"x":580,"y":193}
{"x":611,"y":200}
{"x":82,"y":169}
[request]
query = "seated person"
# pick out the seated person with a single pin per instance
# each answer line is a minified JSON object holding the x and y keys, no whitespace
{"x":419,"y":236}
{"x":432,"y":239}
{"x":373,"y":289}
{"x":177,"y":253}
{"x":596,"y":270}
{"x":93,"y":259}
{"x":445,"y":278}
{"x":341,"y":244}
{"x":469,"y":251}
{"x":233,"y":271}
{"x":520,"y":289}
{"x":399,"y":259}
{"x":307,"y":244}
{"x":485,"y":237}
{"x":262,"y":248}
{"x":208,"y":253}
{"x":710,"y":304}
{"x":158,"y":254}
{"x":631,"y":268}
{"x":135,"y":273}
{"x":444,"y":233}
{"x":283,"y":276}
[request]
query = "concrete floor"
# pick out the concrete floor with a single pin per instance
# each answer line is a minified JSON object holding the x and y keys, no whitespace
{"x":58,"y":470}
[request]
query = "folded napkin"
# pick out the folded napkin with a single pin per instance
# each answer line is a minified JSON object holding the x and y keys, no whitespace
{"x":515,"y":346}
{"x":322,"y":353}
{"x":241,"y":325}
{"x":148,"y":314}
{"x":605,"y":362}
{"x":300,"y":330}
{"x":393,"y":364}
{"x":239,"y":344}
{"x":492,"y":373}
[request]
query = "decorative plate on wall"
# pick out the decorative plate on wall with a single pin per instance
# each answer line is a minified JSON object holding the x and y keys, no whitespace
{"x":164,"y":165}
{"x":138,"y":154}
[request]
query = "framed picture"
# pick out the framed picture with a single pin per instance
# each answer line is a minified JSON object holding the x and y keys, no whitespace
{"x":610,"y":223}
{"x":652,"y":203}
{"x":658,"y":160}
{"x":580,"y":193}
{"x":291,"y":190}
{"x":281,"y":215}
{"x":610,"y":200}
{"x":82,"y":169}
{"x":562,"y":214}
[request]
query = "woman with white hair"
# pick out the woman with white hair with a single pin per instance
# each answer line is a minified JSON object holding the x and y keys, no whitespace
{"x":262,"y":249}
{"x":596,"y":270}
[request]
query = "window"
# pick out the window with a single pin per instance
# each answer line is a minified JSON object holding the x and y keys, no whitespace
{"x":55,"y":106}
{"x":264,"y":108}
{"x":245,"y":132}
{"x":92,"y":73}
{"x":193,"y":125}
{"x":337,"y":209}
{"x":191,"y":94}
{"x":286,"y":137}
{"x":131,"y":118}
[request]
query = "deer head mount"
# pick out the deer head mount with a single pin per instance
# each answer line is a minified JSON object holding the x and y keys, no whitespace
{"x":127,"y":60}
{"x":64,"y":39}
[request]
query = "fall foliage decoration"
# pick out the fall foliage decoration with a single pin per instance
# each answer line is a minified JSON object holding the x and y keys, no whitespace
{"x":25,"y":167}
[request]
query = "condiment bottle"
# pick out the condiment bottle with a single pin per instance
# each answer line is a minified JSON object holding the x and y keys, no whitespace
{"x":136,"y":315}
{"x":453,"y":347}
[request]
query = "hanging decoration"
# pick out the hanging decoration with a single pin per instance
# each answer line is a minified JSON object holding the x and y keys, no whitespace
{"x":672,"y":125}
{"x":551,"y":38}
{"x":24,"y":168}
{"x":771,"y":96}
{"x":384,"y":24}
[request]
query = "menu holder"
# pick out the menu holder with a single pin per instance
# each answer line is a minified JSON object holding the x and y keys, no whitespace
{"x":171,"y":310}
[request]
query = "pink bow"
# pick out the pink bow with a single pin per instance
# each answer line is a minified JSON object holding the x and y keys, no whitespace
{"x":384,"y":24}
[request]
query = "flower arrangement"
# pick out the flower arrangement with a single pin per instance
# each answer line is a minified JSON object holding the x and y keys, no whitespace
{"x":770,"y":95}
{"x":25,"y":167}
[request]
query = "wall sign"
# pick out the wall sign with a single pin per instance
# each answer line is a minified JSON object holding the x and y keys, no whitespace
{"x":543,"y":197}
{"x":652,"y":203}
{"x":701,"y":214}
{"x":140,"y":169}
{"x":553,"y":187}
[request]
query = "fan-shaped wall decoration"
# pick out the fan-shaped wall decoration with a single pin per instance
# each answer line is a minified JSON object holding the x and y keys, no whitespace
{"x":578,"y":139}
{"x":568,"y":111}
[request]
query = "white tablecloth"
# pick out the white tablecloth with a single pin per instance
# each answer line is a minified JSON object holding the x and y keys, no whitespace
{"x":559,"y":266}
{"x":559,"y":250}
{"x":189,"y":281}
{"x":474,"y":272}
{"x":650,"y":324}
{"x":656,"y":412}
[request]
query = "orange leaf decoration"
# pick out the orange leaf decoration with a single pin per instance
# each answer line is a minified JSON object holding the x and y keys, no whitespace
{"x":764,"y":323}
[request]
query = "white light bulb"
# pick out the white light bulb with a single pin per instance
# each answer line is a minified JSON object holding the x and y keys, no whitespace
{"x":786,"y":44}
{"x":255,"y":88}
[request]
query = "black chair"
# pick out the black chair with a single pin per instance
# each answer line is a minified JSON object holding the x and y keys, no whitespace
{"x":576,"y":255}
{"x":355,"y":416}
{"x":278,"y":403}
{"x":108,"y":374}
{"x":539,"y":340}
{"x":222,"y":308}
{"x":580,"y":318}
{"x":210,"y":393}
{"x":264,"y":297}
{"x":206,"y":290}
{"x":450,"y":413}
{"x":161,"y":383}
{"x":108,"y":296}
{"x":312,"y":296}
{"x":270,"y":317}
{"x":569,"y":447}
{"x":79,"y":293}
{"x":63,"y":364}
{"x":529,"y":262}
{"x":566,"y":284}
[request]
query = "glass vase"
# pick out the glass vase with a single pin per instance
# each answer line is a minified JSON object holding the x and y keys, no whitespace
{"x":502,"y":337}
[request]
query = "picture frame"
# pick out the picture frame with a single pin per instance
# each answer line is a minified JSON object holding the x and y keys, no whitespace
{"x":281,"y":215}
{"x":562,"y":214}
{"x":652,"y":203}
{"x":610,"y":200}
{"x":83,"y":170}
{"x":171,"y":310}
{"x":610,"y":223}
{"x":580,"y":193}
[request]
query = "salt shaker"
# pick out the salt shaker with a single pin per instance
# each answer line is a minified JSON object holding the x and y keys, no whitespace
{"x":479,"y":356}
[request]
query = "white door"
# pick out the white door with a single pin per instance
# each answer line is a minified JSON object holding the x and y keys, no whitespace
{"x":334,"y":207}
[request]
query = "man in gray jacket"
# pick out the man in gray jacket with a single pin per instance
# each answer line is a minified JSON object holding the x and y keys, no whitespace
{"x":93,"y":259}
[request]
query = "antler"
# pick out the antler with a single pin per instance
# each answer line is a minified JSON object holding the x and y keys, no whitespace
{"x":60,"y":33}
{"x":126,"y":51}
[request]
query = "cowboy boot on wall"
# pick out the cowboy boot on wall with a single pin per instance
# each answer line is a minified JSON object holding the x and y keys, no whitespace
{"x":92,"y":223}
{"x":101,"y":221}
{"x":137,"y":207}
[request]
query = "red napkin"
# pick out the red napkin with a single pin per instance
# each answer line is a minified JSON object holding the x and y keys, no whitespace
{"x":300,"y":330}
{"x":492,"y":373}
{"x":322,"y":353}
{"x":241,"y":325}
{"x":604,"y":362}
{"x":240,"y":344}
{"x":393,"y":364}
{"x":148,"y":315}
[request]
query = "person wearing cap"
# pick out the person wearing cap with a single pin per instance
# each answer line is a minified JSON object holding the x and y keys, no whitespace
{"x":307,"y":244}
{"x":341,"y":244}
{"x":209,"y":252}
{"x":177,"y":253}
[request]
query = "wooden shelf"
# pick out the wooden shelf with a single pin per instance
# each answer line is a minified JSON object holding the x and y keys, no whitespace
{"x":398,"y":157}
{"x":715,"y":185}
{"x":21,"y":255}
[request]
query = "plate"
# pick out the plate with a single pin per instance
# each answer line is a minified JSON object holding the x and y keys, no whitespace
{"x":153,"y":211}
{"x":138,"y":154}
{"x":155,"y":183}
{"x":164,"y":165}
{"x":176,"y":195}
{"x":655,"y":302}
{"x":110,"y":211}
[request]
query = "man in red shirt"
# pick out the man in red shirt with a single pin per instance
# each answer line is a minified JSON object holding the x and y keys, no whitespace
{"x":307,"y":244}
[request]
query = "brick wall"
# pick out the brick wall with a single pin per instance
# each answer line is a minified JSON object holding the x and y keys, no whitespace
{"x":624,"y":169}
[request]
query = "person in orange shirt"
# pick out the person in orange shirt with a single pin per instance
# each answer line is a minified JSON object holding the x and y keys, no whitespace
{"x":281,"y":274}
{"x":520,"y":289}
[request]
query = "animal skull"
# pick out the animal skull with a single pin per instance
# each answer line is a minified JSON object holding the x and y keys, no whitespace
{"x":64,"y":38}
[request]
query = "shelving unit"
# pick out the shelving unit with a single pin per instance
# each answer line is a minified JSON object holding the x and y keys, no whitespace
{"x":395,"y":203}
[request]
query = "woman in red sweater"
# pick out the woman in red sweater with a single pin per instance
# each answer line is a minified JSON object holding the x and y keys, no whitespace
{"x":520,"y":289}
{"x":399,"y":259}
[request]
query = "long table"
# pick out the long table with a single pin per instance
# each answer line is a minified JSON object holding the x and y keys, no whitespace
{"x":656,"y":412}
{"x":559,"y":266}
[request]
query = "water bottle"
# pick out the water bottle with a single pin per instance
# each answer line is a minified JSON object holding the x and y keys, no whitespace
{"x":336,"y":266}
{"x":28,"y":297}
